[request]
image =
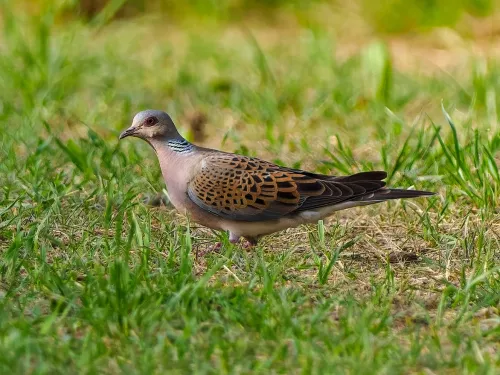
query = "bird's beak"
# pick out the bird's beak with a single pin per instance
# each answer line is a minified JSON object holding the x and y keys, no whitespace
{"x":127,"y":133}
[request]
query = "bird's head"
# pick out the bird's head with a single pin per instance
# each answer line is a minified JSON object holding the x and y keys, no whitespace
{"x":151,"y":125}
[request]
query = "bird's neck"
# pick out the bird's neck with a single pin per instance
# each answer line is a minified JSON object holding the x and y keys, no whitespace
{"x":177,"y":158}
{"x":172,"y":153}
{"x":177,"y":145}
{"x":180,"y":145}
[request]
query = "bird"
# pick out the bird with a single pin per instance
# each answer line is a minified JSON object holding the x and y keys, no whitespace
{"x":246,"y":196}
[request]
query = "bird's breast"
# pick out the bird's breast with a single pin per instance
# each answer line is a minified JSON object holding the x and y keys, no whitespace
{"x":178,"y":171}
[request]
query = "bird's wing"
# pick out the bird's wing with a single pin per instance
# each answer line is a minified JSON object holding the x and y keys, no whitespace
{"x":241,"y":188}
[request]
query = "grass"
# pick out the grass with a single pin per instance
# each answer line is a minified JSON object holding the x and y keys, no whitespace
{"x":96,"y":278}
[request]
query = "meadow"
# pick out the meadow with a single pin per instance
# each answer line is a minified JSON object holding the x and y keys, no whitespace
{"x":98,"y":273}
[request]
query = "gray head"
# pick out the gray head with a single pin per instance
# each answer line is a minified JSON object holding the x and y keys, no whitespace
{"x":152,"y":125}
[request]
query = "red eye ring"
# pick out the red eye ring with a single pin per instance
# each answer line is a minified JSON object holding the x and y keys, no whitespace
{"x":150,"y":121}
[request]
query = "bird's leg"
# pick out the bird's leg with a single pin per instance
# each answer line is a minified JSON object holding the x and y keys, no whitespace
{"x":250,"y":242}
{"x":211,"y":249}
{"x":216,"y":246}
{"x":233,"y":238}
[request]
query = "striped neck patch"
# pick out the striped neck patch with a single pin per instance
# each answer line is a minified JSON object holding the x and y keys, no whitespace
{"x":180,"y":145}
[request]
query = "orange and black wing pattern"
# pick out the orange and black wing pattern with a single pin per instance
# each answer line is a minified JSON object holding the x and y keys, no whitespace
{"x":241,"y":188}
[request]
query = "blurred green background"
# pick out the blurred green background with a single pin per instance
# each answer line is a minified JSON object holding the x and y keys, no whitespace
{"x":390,"y":16}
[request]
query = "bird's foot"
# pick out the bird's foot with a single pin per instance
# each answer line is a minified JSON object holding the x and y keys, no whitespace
{"x":215,"y":247}
{"x":247,"y":244}
{"x":233,"y":238}
{"x":250,"y":242}
{"x":210,"y":249}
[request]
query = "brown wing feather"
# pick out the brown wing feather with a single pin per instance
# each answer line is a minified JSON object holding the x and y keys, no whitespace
{"x":249,"y":189}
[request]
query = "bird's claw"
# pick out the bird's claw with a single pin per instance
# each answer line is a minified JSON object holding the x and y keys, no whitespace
{"x":210,"y":249}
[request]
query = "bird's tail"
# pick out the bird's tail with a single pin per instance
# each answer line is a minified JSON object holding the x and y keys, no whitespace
{"x":389,"y":193}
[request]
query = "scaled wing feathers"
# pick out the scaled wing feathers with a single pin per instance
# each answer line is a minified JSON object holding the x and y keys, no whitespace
{"x":249,"y":189}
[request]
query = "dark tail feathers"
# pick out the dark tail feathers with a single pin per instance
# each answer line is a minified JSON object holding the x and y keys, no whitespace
{"x":383,"y":193}
{"x":361,"y":176}
{"x":388,"y":193}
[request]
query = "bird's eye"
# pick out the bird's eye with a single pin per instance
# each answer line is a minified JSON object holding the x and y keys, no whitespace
{"x":150,"y":121}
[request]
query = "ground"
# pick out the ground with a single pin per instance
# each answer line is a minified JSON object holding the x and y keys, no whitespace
{"x":99,"y":274}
